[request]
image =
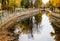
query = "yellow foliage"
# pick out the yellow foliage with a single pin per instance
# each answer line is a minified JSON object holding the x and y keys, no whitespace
{"x":12,"y":4}
{"x":18,"y":3}
{"x":15,"y":2}
{"x":55,"y":3}
{"x":40,"y":3}
{"x":48,"y":4}
{"x":0,"y":1}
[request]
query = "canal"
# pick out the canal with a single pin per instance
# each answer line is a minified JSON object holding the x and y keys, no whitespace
{"x":44,"y":34}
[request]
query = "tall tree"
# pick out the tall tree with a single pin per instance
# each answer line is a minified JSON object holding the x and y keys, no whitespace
{"x":3,"y":4}
{"x":23,"y":2}
{"x":48,"y":4}
{"x":38,"y":3}
{"x":0,"y":1}
{"x":26,"y":3}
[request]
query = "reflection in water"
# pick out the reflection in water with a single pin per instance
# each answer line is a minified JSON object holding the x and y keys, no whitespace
{"x":27,"y":28}
{"x":57,"y":32}
{"x":31,"y":25}
{"x":44,"y":35}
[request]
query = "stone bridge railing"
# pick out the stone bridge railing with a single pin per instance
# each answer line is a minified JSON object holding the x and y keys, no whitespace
{"x":6,"y":16}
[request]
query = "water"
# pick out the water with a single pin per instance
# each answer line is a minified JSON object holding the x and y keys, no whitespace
{"x":44,"y":34}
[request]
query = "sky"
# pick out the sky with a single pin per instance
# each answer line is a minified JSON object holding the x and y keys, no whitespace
{"x":45,"y":1}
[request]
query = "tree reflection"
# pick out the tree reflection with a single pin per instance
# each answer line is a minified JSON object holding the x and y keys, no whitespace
{"x":38,"y":19}
{"x":26,"y":25}
{"x":57,"y":32}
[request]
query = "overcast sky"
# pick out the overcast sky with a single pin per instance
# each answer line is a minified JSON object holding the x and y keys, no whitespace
{"x":45,"y":1}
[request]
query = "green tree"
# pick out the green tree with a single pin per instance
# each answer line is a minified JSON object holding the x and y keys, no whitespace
{"x":26,"y":3}
{"x":27,"y":26}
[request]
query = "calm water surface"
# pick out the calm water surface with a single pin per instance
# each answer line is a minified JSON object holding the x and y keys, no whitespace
{"x":44,"y":34}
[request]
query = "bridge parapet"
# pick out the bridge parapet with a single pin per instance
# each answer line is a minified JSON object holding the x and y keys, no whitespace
{"x":6,"y":16}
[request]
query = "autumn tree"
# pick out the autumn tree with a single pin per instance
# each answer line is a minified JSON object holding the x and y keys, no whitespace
{"x":55,"y":3}
{"x":0,"y":1}
{"x":26,"y":3}
{"x":48,"y":4}
{"x":10,"y":4}
{"x":38,"y":3}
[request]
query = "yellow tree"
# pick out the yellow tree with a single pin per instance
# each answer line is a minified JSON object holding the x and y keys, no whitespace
{"x":40,"y":3}
{"x":15,"y":3}
{"x":48,"y":4}
{"x":55,"y":3}
{"x":18,"y":3}
{"x":10,"y":4}
{"x":0,"y":1}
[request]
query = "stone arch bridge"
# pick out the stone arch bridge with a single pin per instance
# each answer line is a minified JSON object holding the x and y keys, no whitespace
{"x":9,"y":18}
